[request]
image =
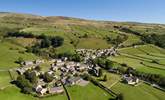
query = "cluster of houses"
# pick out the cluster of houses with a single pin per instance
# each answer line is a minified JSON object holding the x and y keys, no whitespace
{"x":27,"y":65}
{"x":64,"y":73}
{"x":93,"y":53}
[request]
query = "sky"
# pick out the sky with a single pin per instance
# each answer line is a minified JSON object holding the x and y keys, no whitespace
{"x":147,"y":11}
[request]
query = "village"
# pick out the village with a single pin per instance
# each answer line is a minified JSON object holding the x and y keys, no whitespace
{"x":63,"y":72}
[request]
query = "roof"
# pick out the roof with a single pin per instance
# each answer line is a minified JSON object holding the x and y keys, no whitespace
{"x":74,"y":79}
{"x":56,"y":89}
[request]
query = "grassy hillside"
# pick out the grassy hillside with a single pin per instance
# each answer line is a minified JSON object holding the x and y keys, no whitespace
{"x":74,"y":29}
{"x":142,"y":92}
{"x":142,"y":58}
{"x":9,"y":53}
{"x":81,"y":33}
{"x":89,"y":92}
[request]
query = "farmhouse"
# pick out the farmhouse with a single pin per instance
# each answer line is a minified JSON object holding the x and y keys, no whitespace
{"x":41,"y":90}
{"x":28,"y":63}
{"x":129,"y":79}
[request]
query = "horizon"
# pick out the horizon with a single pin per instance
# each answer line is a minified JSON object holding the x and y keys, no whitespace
{"x":88,"y":19}
{"x":142,"y":11}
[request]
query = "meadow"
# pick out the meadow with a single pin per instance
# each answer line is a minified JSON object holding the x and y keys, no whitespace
{"x":9,"y":53}
{"x":80,"y":33}
{"x":89,"y":92}
{"x":13,"y":93}
{"x":140,"y":92}
{"x":142,"y":58}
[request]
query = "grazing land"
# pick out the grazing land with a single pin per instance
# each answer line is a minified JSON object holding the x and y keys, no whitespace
{"x":54,"y":42}
{"x":88,"y":93}
{"x":9,"y":53}
{"x":142,"y":58}
{"x":142,"y":92}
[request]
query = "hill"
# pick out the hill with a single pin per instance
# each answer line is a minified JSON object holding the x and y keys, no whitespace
{"x":73,"y":30}
{"x":139,"y":46}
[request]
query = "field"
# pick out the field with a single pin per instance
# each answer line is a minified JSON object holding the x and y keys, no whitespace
{"x":132,"y":39}
{"x":112,"y":79}
{"x":80,"y":33}
{"x":89,"y":92}
{"x":13,"y":93}
{"x":141,"y":92}
{"x":4,"y":79}
{"x":142,"y":58}
{"x":9,"y":53}
{"x":93,"y":43}
{"x":24,"y":42}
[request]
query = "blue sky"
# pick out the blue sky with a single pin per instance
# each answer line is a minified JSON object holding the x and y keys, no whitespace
{"x":152,"y":11}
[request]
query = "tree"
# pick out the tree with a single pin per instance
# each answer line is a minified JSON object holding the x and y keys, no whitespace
{"x":45,"y":43}
{"x":105,"y":78}
{"x":108,"y":64}
{"x":122,"y":70}
{"x":38,"y":68}
{"x":31,"y":76}
{"x":20,"y":60}
{"x":85,"y":35}
{"x":57,"y":41}
{"x":24,"y":84}
{"x":48,"y":77}
{"x":76,"y":57}
{"x":119,"y":97}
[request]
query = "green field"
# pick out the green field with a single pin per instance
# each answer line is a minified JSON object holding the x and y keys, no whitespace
{"x":13,"y":93}
{"x":4,"y":79}
{"x":141,"y":92}
{"x":93,"y":43}
{"x":112,"y":79}
{"x":89,"y":92}
{"x":133,"y":57}
{"x":80,"y":33}
{"x":132,"y":39}
{"x":9,"y":53}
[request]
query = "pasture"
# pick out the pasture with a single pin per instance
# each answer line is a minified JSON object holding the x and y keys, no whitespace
{"x":140,"y":92}
{"x":13,"y":93}
{"x":142,"y":58}
{"x":89,"y":92}
{"x":9,"y":53}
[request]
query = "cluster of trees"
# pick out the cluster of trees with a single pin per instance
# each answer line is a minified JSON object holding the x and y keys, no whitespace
{"x":71,"y":56}
{"x":31,"y":76}
{"x":20,"y":60}
{"x":116,"y":41}
{"x":48,"y":77}
{"x":104,"y":63}
{"x":127,"y":30}
{"x":20,"y":34}
{"x":158,"y":40}
{"x":24,"y":84}
{"x":46,"y":42}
